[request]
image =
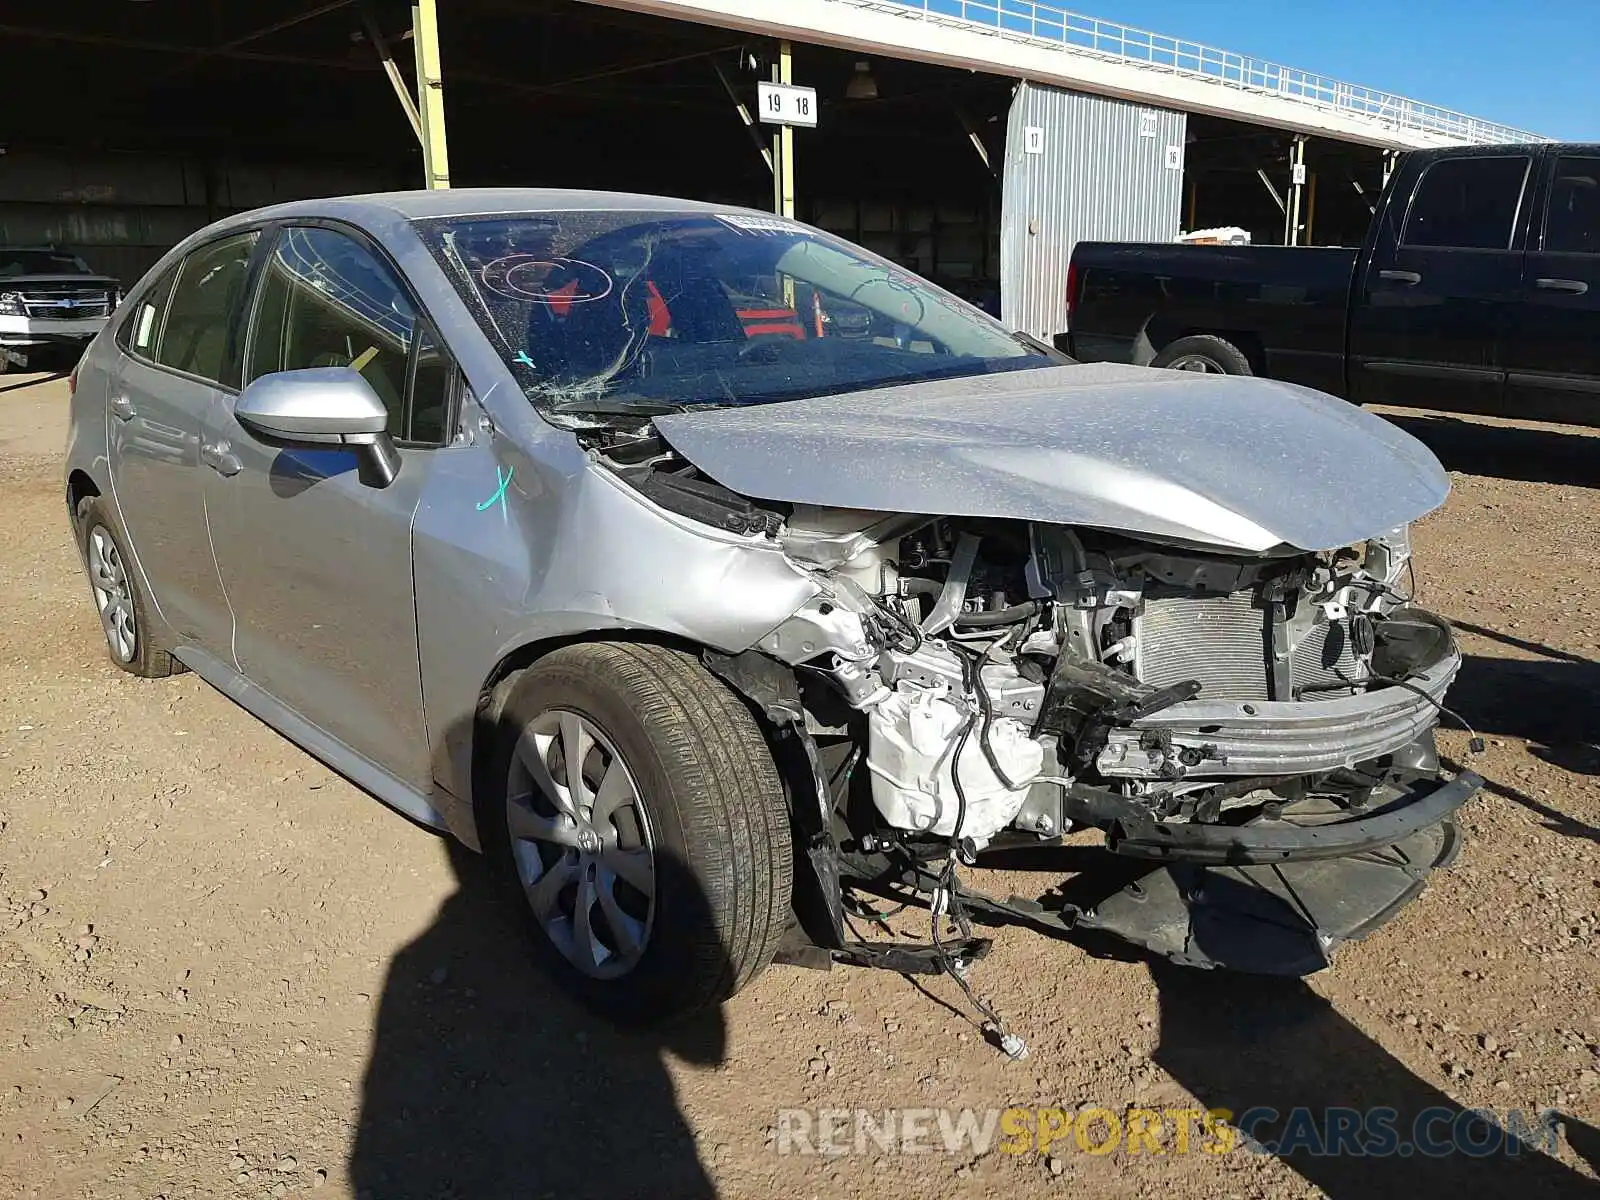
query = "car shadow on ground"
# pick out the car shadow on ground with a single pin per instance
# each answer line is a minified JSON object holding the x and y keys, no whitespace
{"x":1506,"y":451}
{"x":1552,"y":703}
{"x":485,"y":1083}
{"x":1289,"y":1070}
{"x":1243,"y":1043}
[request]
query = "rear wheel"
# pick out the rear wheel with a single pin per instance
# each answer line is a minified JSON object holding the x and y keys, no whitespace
{"x":1204,"y":353}
{"x":124,"y":614}
{"x":642,"y":828}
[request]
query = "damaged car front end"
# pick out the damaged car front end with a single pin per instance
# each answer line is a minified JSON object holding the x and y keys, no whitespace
{"x":1252,"y":717}
{"x":1044,"y":602}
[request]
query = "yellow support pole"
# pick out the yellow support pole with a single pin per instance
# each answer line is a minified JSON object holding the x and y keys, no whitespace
{"x":1311,"y":210}
{"x":784,"y":176}
{"x":1297,"y":192}
{"x":430,"y":93}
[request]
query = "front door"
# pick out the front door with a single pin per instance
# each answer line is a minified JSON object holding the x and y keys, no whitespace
{"x":317,"y":564}
{"x":1553,"y":354}
{"x":174,"y":353}
{"x":1428,"y":326}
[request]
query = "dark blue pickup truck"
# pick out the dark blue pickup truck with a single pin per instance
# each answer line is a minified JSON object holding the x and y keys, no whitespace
{"x":1477,"y":289}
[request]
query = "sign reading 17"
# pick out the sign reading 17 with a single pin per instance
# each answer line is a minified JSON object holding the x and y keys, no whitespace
{"x":785,"y":104}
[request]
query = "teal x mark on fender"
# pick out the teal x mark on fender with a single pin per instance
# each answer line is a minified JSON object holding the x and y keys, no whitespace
{"x":504,"y":477}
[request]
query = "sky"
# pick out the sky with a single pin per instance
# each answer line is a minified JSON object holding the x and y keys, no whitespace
{"x":1531,"y":64}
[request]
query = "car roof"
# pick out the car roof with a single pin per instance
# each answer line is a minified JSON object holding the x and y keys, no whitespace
{"x":465,"y":202}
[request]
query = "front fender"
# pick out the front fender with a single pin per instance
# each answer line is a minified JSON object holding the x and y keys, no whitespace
{"x":566,"y":550}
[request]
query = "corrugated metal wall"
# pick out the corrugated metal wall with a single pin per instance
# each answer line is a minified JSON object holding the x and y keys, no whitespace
{"x":122,"y":212}
{"x":1080,"y":168}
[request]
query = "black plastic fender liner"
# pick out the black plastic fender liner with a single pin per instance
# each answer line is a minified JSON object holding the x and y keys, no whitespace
{"x":1139,"y":836}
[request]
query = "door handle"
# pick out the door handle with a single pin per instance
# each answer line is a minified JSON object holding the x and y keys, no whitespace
{"x":219,"y":458}
{"x":1576,"y":286}
{"x":1409,"y":278}
{"x":122,"y":408}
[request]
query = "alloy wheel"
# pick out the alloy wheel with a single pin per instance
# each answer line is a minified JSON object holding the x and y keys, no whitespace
{"x":108,"y":578}
{"x":583,"y":844}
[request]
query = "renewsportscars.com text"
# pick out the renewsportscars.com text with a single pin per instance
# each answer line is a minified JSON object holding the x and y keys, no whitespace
{"x":1343,"y":1132}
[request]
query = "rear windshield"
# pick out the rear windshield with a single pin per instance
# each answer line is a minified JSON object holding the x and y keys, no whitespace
{"x":651,"y":312}
{"x":40,"y":262}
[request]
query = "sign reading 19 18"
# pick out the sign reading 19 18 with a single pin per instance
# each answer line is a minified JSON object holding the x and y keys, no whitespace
{"x":785,"y":104}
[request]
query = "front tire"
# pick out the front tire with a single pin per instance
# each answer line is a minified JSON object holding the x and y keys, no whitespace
{"x":124,"y":613}
{"x":1204,"y":353}
{"x":640,"y":823}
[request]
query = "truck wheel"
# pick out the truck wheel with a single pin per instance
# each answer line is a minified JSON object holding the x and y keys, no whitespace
{"x":1205,"y":353}
{"x":642,"y":829}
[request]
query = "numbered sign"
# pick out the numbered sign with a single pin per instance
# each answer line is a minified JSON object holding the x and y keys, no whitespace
{"x":784,"y":104}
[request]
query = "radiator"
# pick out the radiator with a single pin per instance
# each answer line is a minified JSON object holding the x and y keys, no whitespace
{"x":1222,"y":641}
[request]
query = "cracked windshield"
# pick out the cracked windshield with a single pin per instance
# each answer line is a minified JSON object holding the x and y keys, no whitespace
{"x":637,"y":314}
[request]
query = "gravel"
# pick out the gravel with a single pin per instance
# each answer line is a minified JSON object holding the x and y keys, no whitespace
{"x":219,"y":870}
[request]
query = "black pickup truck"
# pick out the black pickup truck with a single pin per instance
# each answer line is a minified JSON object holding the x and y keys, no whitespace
{"x":1477,"y":289}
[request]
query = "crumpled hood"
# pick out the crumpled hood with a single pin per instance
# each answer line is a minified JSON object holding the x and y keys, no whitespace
{"x":1245,"y":464}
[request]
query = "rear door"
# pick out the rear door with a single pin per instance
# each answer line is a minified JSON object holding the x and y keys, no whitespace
{"x":1553,"y":353}
{"x":317,"y":564}
{"x":176,"y":345}
{"x":1430,"y":322}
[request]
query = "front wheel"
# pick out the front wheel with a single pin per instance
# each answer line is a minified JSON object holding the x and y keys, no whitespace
{"x":1204,"y":353}
{"x":640,"y":822}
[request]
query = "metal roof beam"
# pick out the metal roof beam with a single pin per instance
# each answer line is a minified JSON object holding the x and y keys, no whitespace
{"x":116,"y":42}
{"x":1040,"y":43}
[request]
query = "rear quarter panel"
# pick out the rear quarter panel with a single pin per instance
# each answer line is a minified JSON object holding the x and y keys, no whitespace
{"x":87,"y":435}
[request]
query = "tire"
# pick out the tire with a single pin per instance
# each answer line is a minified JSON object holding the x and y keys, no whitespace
{"x":698,"y":792}
{"x":1205,"y":353}
{"x":121,"y":605}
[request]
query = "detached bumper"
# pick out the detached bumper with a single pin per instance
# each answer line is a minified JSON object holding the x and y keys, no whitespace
{"x":1280,"y":841}
{"x":1273,"y":900}
{"x":1290,"y":737}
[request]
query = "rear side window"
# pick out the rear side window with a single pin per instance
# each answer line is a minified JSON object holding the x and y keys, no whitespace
{"x":194,"y":338}
{"x":141,"y":327}
{"x":328,"y":300}
{"x":1467,"y":203}
{"x":1572,"y":225}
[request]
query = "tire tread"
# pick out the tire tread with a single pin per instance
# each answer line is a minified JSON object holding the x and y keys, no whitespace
{"x":724,"y":789}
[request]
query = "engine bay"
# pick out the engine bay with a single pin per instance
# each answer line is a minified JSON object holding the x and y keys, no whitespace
{"x":1001,"y":666}
{"x":1257,"y":726}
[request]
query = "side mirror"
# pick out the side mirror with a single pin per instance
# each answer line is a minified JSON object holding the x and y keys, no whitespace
{"x":321,"y":406}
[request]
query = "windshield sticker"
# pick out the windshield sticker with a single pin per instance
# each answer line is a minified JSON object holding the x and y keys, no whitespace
{"x":760,"y":225}
{"x":558,"y":282}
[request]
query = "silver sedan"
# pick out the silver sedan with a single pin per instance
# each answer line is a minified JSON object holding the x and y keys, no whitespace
{"x":709,"y":572}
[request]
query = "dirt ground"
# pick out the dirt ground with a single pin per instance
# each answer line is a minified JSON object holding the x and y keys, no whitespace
{"x":224,"y":971}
